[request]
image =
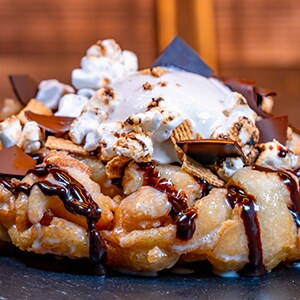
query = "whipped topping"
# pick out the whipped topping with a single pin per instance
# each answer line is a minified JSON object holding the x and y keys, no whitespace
{"x":275,"y":155}
{"x":154,"y":105}
{"x":104,"y":63}
{"x":50,"y":92}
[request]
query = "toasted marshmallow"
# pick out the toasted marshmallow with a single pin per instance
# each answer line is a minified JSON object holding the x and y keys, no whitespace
{"x":154,"y":104}
{"x":103,"y":64}
{"x":275,"y":155}
{"x":50,"y":92}
{"x":293,"y":141}
{"x":228,"y":167}
{"x":31,"y":137}
{"x":71,"y":105}
{"x":10,"y":131}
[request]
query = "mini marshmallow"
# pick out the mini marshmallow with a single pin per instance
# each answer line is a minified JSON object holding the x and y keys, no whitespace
{"x":10,"y":131}
{"x":50,"y":92}
{"x":275,"y":155}
{"x":31,"y":137}
{"x":71,"y":105}
{"x":228,"y":167}
{"x":85,"y":125}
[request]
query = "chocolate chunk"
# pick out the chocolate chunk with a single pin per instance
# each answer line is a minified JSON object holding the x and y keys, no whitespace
{"x":179,"y":54}
{"x":14,"y":161}
{"x":253,"y":94}
{"x":209,"y":151}
{"x":54,"y":124}
{"x":273,"y":128}
{"x":25,"y":88}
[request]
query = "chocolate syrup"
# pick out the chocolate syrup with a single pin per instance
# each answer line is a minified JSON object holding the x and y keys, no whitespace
{"x":183,"y":216}
{"x":237,"y":196}
{"x":76,"y":200}
{"x":290,"y":182}
{"x":38,"y":157}
{"x":282,"y":152}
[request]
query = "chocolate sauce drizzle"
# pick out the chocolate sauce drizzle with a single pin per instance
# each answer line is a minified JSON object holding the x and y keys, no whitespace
{"x":237,"y":196}
{"x":183,"y":216}
{"x":76,"y":200}
{"x":291,"y":184}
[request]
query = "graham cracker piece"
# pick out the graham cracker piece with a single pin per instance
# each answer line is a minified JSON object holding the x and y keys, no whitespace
{"x":155,"y":72}
{"x":114,"y":168}
{"x":182,"y":132}
{"x":194,"y":168}
{"x":36,"y":107}
{"x":55,"y":143}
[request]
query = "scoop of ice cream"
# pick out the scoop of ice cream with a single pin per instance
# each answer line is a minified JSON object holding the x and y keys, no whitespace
{"x":156,"y":102}
{"x":104,"y":63}
{"x":50,"y":91}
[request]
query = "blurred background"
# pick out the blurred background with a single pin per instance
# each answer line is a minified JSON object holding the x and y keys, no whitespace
{"x":249,"y":39}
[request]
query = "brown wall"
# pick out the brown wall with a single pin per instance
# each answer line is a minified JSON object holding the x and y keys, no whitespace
{"x":260,"y":39}
{"x":256,"y":39}
{"x":47,"y":38}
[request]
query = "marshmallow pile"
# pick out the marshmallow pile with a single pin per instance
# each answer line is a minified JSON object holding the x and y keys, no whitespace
{"x":103,"y":64}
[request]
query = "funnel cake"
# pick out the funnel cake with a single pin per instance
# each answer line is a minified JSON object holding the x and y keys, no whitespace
{"x":141,"y":171}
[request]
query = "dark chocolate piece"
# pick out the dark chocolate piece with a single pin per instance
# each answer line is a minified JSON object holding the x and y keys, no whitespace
{"x":14,"y":161}
{"x":54,"y":124}
{"x":24,"y":87}
{"x":179,"y":54}
{"x":273,"y":128}
{"x":250,"y":92}
{"x":208,"y":151}
{"x":237,"y":196}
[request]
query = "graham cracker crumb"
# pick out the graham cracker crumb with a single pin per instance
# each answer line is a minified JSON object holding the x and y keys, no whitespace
{"x":147,"y":86}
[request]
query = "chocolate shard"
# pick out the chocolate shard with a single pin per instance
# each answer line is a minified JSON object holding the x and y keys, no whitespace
{"x":274,"y":127}
{"x":179,"y":54}
{"x":54,"y":124}
{"x":14,"y":161}
{"x":208,"y":151}
{"x":253,"y":94}
{"x":24,"y":87}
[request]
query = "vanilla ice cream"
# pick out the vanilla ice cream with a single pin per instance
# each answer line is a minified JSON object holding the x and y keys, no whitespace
{"x":151,"y":105}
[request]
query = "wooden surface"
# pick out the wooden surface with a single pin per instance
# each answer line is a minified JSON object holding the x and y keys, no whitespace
{"x":256,"y":39}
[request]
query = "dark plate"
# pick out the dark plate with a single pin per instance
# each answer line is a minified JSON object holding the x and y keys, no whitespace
{"x":28,"y":279}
